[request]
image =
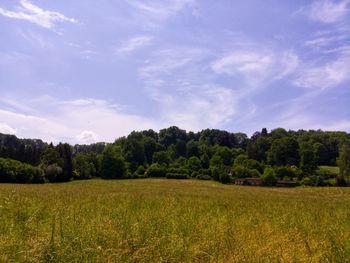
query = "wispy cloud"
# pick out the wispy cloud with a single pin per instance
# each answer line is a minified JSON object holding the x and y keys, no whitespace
{"x":32,"y":13}
{"x":193,"y":99}
{"x":153,"y":13}
{"x":133,"y":44}
{"x":325,"y":75}
{"x":328,"y":11}
{"x":160,"y":9}
{"x":257,"y":66}
{"x":74,"y":121}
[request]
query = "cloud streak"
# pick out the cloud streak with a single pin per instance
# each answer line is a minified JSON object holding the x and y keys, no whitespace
{"x":34,"y":14}
{"x":133,"y":44}
{"x":328,"y":11}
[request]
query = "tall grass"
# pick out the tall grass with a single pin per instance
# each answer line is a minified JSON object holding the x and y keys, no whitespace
{"x":155,"y":220}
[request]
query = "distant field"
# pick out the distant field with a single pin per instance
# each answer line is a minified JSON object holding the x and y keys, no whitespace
{"x":155,"y":220}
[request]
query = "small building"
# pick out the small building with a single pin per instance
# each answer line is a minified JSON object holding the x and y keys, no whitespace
{"x":240,"y":181}
{"x":283,"y":183}
{"x":249,"y":181}
{"x":254,"y":181}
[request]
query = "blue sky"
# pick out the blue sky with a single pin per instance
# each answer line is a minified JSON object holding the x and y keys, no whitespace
{"x":84,"y":71}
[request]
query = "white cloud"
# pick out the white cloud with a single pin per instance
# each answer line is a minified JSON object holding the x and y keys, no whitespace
{"x":328,"y":11}
{"x":151,"y":14}
{"x":311,"y":122}
{"x":160,"y":10}
{"x":210,"y":107}
{"x":327,"y":75}
{"x":74,"y":121}
{"x":133,"y":44}
{"x":256,"y":66}
{"x":192,"y":99}
{"x":87,"y":137}
{"x":6,"y":129}
{"x":32,"y":13}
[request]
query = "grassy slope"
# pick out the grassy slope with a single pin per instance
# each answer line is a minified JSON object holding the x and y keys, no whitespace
{"x":167,"y":220}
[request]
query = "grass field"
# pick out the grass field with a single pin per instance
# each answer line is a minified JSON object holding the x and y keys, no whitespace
{"x":154,"y":220}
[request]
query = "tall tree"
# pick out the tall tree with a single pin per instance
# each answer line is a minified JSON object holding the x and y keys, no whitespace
{"x":344,"y":162}
{"x":112,"y":163}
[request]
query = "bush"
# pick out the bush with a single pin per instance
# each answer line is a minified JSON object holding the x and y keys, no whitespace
{"x":140,"y":172}
{"x":255,"y":165}
{"x":202,"y":174}
{"x":285,"y":171}
{"x":179,"y":170}
{"x":269,"y":177}
{"x":176,"y":176}
{"x":156,"y":170}
{"x":221,"y":174}
{"x":244,"y":172}
{"x":52,"y":172}
{"x":12,"y":171}
{"x":307,"y":181}
{"x":204,"y":177}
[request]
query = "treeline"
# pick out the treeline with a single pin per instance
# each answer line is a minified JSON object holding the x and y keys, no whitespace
{"x":176,"y":154}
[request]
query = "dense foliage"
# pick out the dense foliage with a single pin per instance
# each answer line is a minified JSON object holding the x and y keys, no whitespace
{"x":174,"y":153}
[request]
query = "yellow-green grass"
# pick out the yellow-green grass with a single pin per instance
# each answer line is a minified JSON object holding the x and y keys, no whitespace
{"x":159,"y":220}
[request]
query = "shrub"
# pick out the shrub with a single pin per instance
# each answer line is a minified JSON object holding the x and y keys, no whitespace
{"x":179,"y":170}
{"x":269,"y":177}
{"x":240,"y":171}
{"x":255,"y":165}
{"x":140,"y":172}
{"x":204,"y":177}
{"x":156,"y":170}
{"x":307,"y":181}
{"x":254,"y":173}
{"x":12,"y":171}
{"x":176,"y":176}
{"x":285,"y":171}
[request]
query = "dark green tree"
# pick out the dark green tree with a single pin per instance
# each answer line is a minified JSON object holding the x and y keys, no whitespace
{"x":344,"y":162}
{"x":113,"y":165}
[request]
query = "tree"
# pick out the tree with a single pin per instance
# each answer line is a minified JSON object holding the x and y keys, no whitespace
{"x":194,"y":164}
{"x":192,"y":149}
{"x":83,"y":167}
{"x":216,"y":161}
{"x":161,"y":157}
{"x":307,"y":158}
{"x":284,"y":151}
{"x":112,"y":163}
{"x":205,"y":161}
{"x":225,"y":154}
{"x":344,"y":162}
{"x":134,"y":150}
{"x":269,"y":177}
{"x":171,"y":135}
{"x":65,"y":152}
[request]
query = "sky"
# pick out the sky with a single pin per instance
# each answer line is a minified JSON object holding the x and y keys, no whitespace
{"x":85,"y":71}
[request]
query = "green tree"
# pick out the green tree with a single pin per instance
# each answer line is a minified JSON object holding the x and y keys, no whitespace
{"x":269,"y":177}
{"x":112,"y":163}
{"x":83,"y":167}
{"x":284,"y":151}
{"x":194,"y":164}
{"x":134,"y":150}
{"x":161,"y":157}
{"x":65,"y":152}
{"x":225,"y":154}
{"x":307,"y":158}
{"x":344,"y":162}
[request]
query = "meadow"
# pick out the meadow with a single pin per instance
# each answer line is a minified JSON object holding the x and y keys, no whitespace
{"x":160,"y":220}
